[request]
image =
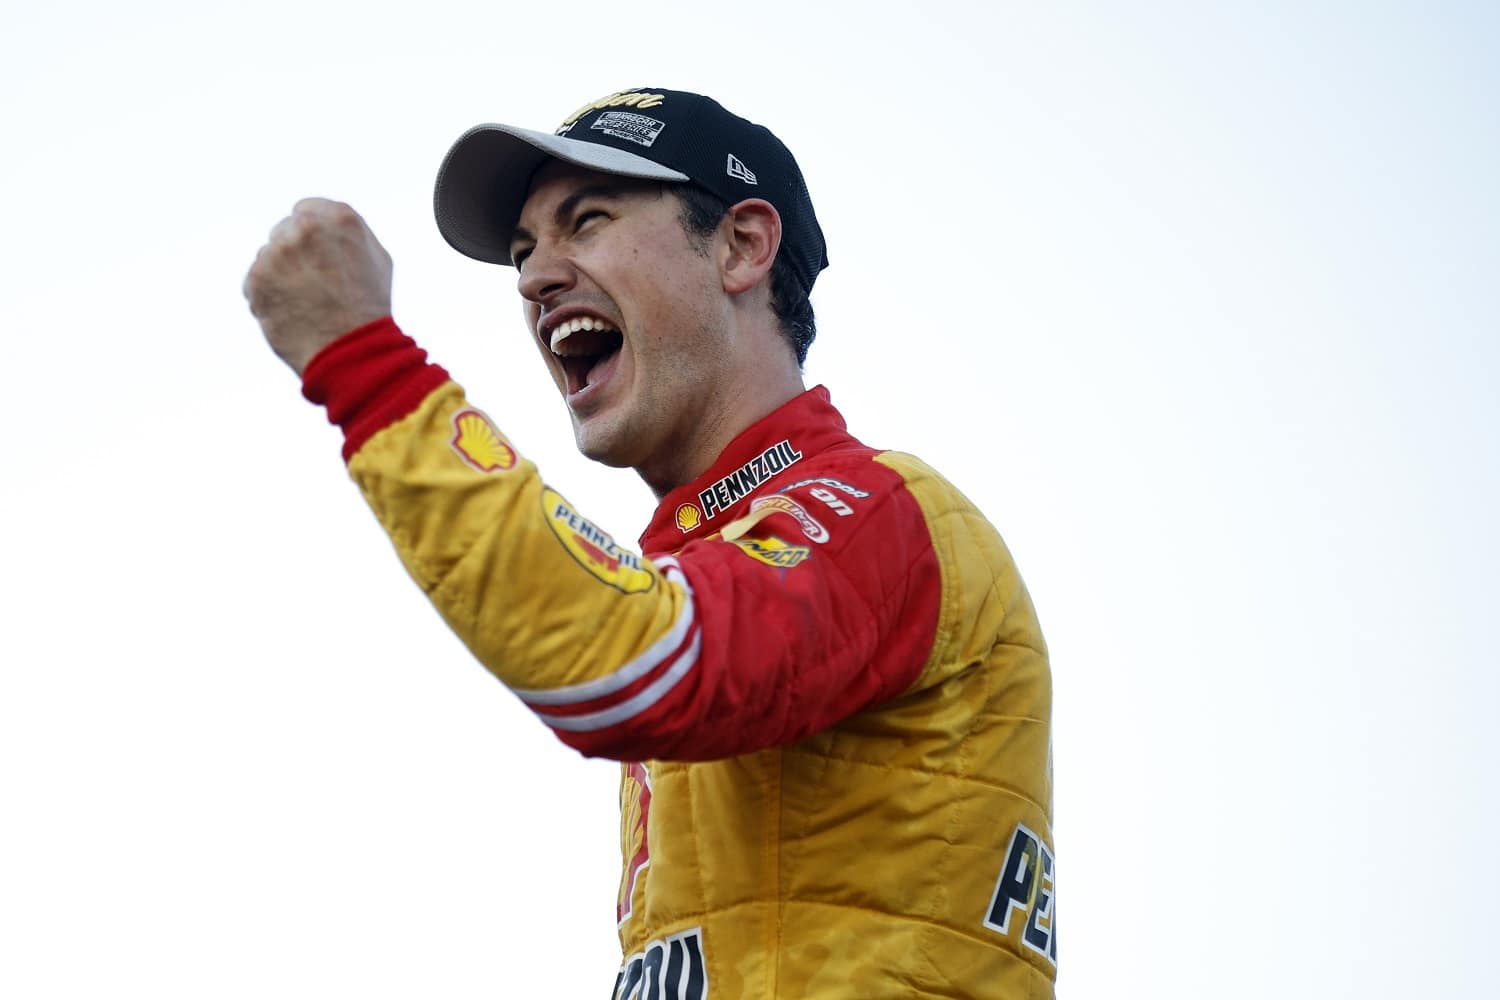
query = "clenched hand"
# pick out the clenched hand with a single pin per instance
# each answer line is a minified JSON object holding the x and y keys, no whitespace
{"x":321,"y":274}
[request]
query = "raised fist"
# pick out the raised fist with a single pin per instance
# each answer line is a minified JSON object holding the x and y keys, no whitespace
{"x":321,"y":274}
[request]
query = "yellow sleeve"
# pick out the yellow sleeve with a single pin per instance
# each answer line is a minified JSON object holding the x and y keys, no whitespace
{"x":548,"y":602}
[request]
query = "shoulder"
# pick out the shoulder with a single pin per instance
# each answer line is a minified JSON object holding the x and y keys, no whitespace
{"x":939,"y":500}
{"x":886,"y":490}
{"x":904,"y":486}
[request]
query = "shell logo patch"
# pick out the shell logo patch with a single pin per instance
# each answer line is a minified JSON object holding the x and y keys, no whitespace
{"x":773,"y":551}
{"x":688,"y":518}
{"x":477,"y":441}
{"x":593,"y":549}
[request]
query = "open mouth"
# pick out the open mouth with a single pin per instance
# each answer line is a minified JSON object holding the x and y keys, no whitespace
{"x":588,"y":349}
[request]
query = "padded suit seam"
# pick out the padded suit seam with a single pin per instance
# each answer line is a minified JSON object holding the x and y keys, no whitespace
{"x":893,"y":769}
{"x":473,"y":608}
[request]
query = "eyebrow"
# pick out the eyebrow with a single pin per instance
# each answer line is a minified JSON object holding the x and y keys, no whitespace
{"x":565,"y":208}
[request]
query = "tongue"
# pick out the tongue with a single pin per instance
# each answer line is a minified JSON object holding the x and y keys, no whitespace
{"x":603,"y":368}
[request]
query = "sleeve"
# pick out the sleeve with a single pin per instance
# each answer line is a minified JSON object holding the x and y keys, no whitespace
{"x":813,"y":607}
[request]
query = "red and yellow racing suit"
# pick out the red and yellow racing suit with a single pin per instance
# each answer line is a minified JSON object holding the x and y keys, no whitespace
{"x":824,"y":678}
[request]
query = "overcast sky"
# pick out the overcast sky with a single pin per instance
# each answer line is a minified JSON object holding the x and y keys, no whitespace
{"x":1200,"y":306}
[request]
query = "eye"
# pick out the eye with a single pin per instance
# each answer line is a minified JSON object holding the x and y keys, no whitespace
{"x":586,"y":215}
{"x":518,"y":256}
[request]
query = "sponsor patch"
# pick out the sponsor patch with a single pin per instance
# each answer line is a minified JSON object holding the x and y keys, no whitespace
{"x":688,"y":518}
{"x":736,"y":168}
{"x":773,"y":551}
{"x":635,"y":816}
{"x":477,"y":441}
{"x":786,"y":505}
{"x":630,"y":127}
{"x":631,"y":99}
{"x":593,"y":549}
{"x":670,"y":969}
{"x":1026,"y":885}
{"x":858,"y":494}
{"x":726,"y":492}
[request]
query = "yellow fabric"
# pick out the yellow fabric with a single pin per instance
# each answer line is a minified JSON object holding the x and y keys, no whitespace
{"x":861,"y":862}
{"x":873,"y":848}
{"x":480,"y":545}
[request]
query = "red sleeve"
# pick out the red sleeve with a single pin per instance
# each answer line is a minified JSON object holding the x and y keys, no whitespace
{"x":793,"y":634}
{"x":804,"y":612}
{"x":369,"y":378}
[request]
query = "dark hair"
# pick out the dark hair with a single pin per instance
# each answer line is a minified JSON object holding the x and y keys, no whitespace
{"x":702,"y":211}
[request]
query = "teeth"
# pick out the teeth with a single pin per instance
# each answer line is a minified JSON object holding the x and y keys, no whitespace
{"x":563,"y":331}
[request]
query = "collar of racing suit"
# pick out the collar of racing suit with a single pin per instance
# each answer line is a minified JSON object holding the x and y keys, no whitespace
{"x":763,"y":458}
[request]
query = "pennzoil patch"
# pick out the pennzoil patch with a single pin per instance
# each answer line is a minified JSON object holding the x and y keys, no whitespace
{"x":728,"y":491}
{"x":593,"y":548}
{"x":671,"y":968}
{"x":1026,"y":885}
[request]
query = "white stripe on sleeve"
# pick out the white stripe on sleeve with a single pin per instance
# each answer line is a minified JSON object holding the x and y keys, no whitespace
{"x":655,"y":655}
{"x":635,"y":704}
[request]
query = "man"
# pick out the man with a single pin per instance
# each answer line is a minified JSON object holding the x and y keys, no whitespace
{"x":824,"y":677}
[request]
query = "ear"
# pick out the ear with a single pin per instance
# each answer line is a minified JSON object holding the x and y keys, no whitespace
{"x":752,"y":232}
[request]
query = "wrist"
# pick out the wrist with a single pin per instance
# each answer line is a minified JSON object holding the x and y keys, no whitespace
{"x":369,"y":378}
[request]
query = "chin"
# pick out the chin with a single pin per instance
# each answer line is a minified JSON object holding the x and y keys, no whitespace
{"x":605,"y":445}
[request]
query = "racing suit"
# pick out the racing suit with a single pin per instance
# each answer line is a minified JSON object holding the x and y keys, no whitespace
{"x":824,"y":679}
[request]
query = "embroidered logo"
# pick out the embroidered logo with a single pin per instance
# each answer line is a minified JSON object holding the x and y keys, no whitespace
{"x":688,"y":518}
{"x":735,"y":167}
{"x":671,"y":969}
{"x":840,"y":486}
{"x":723,"y":494}
{"x":478,"y":442}
{"x":632,"y":99}
{"x":635,"y":816}
{"x":631,"y":127}
{"x":1026,"y":885}
{"x":786,"y":505}
{"x":593,"y":549}
{"x":774,"y":552}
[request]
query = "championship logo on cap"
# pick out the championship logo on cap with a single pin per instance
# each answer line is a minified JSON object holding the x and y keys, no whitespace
{"x":688,"y":518}
{"x":651,"y":133}
{"x":593,"y":549}
{"x":478,"y":442}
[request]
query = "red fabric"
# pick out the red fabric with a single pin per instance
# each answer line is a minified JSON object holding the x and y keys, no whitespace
{"x":787,"y":652}
{"x":630,"y":690}
{"x":368,"y":379}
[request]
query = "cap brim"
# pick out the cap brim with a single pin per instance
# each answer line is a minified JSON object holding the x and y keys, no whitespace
{"x":486,"y":176}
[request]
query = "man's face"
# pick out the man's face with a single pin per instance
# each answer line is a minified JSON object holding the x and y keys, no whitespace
{"x":630,"y":316}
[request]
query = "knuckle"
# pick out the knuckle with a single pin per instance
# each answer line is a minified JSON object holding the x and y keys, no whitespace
{"x":284,"y":231}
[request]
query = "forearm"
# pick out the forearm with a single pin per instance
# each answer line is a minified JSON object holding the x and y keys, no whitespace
{"x":615,"y":652}
{"x":577,"y":626}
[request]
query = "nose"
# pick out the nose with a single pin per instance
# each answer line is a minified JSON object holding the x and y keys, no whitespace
{"x":545,"y":275}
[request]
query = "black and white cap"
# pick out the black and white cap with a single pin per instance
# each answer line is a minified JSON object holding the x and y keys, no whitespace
{"x":651,"y":133}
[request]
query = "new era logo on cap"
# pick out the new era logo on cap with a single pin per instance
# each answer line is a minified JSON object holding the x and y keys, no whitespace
{"x":738,"y":169}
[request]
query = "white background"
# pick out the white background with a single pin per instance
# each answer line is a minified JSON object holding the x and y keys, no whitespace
{"x":1199,"y":305}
